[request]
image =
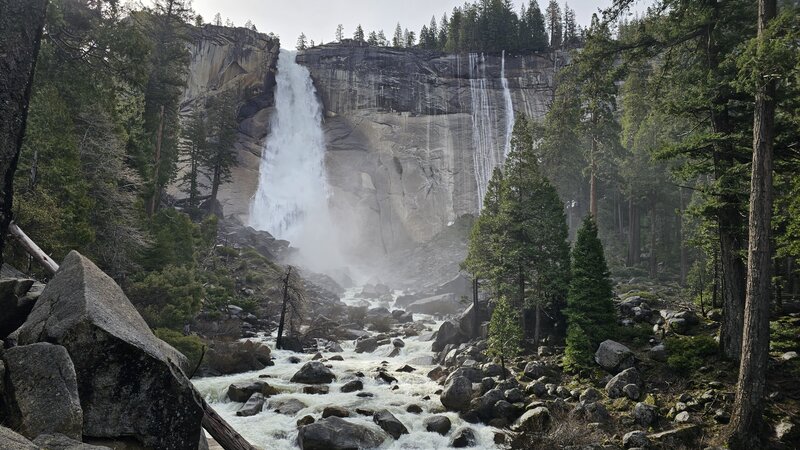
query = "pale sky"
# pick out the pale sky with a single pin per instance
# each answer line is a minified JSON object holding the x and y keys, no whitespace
{"x":318,"y":18}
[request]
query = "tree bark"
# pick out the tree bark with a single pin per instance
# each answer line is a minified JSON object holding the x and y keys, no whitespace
{"x":476,"y":324}
{"x":21,"y":24}
{"x":681,"y":238}
{"x":653,"y":262}
{"x":156,"y":198}
{"x":33,"y":250}
{"x":222,"y":432}
{"x":746,"y":417}
{"x":278,"y":341}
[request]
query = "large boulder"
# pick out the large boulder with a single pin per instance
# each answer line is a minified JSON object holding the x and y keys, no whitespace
{"x":42,"y":391}
{"x":61,"y":442}
{"x":457,"y":394}
{"x":448,"y":333}
{"x":463,"y":437}
{"x":241,"y":392}
{"x":615,"y":388}
{"x":313,"y":372}
{"x":224,"y":358}
{"x":366,"y":345}
{"x":130,"y":383}
{"x":334,"y":433}
{"x":17,"y":297}
{"x":613,"y":356}
{"x":253,"y":406}
{"x":9,"y":440}
{"x":389,"y":423}
{"x":535,"y":420}
{"x":437,"y":424}
{"x":438,"y":305}
{"x":466,"y":321}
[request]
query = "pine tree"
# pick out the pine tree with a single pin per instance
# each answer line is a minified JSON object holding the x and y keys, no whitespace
{"x":382,"y":41}
{"x":339,"y":33}
{"x":433,"y":31}
{"x":301,"y":42}
{"x":590,"y":312}
{"x":358,"y":35}
{"x":441,"y":39}
{"x":397,"y":40}
{"x":484,"y":256}
{"x":218,"y":19}
{"x":373,"y":38}
{"x":194,"y":144}
{"x":221,"y":154}
{"x":505,"y":334}
{"x":570,"y":28}
{"x":554,"y":26}
{"x":533,"y":34}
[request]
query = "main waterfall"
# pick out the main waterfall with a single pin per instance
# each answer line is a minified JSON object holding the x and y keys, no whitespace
{"x":292,"y":197}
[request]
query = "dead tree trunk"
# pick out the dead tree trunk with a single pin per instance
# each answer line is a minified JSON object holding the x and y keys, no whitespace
{"x":746,"y":417}
{"x":36,"y":253}
{"x":279,"y":340}
{"x":21,"y":24}
{"x":476,"y":322}
{"x":222,"y":432}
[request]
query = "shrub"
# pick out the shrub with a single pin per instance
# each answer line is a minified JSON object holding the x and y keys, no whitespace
{"x":168,"y":298}
{"x":687,"y":354}
{"x":191,"y":346}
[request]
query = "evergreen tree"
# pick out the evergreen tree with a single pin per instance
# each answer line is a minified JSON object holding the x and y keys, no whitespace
{"x":193,"y":149}
{"x":433,"y":35}
{"x":409,"y":38}
{"x":339,"y":33}
{"x":358,"y":35}
{"x":505,"y":334}
{"x":221,"y":154}
{"x":591,"y":316}
{"x":424,"y":37}
{"x":533,"y":34}
{"x":382,"y":41}
{"x":554,"y":24}
{"x":484,"y":255}
{"x":301,"y":42}
{"x":571,"y":38}
{"x":441,"y":39}
{"x":397,"y":39}
{"x":373,"y":38}
{"x":218,"y":19}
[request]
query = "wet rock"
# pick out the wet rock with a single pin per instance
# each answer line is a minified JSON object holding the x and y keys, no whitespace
{"x":335,"y":411}
{"x":414,"y":409}
{"x":635,"y":439}
{"x":457,"y":394}
{"x":305,"y":420}
{"x":289,"y":406}
{"x":316,"y":390}
{"x":292,"y":343}
{"x":367,"y":345}
{"x":365,"y":394}
{"x":534,"y":420}
{"x":223,"y":358}
{"x":644,"y":414}
{"x":613,"y":356}
{"x":334,"y":433}
{"x":85,"y":311}
{"x":42,"y":391}
{"x":389,"y":423}
{"x":336,"y":358}
{"x":463,"y":437}
{"x":10,"y":440}
{"x":352,"y":386}
{"x":448,"y":333}
{"x":317,"y":356}
{"x":398,"y":343}
{"x":437,"y":373}
{"x":437,"y":424}
{"x":313,"y":372}
{"x":406,"y":368}
{"x":253,"y":406}
{"x":241,"y":392}
{"x":615,"y":387}
{"x":438,"y":305}
{"x":294,"y":360}
{"x":383,"y":376}
{"x":364,"y":412}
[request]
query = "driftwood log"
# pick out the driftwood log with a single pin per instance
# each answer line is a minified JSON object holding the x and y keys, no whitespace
{"x":216,"y":426}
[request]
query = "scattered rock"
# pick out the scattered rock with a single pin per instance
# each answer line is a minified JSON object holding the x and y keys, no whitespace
{"x":658,"y":353}
{"x":352,"y":386}
{"x":682,"y":437}
{"x":289,"y":406}
{"x":365,"y":394}
{"x":223,"y":358}
{"x":448,"y":334}
{"x":253,"y":406}
{"x":720,"y":416}
{"x":15,"y":303}
{"x":615,"y":387}
{"x":316,"y":390}
{"x":682,"y":417}
{"x":241,"y":392}
{"x":313,"y":372}
{"x":537,"y":388}
{"x":336,"y":358}
{"x":406,"y":368}
{"x":414,"y":409}
{"x":613,"y":356}
{"x":397,"y":342}
{"x":85,"y":311}
{"x":364,"y":412}
{"x":635,"y":439}
{"x":386,"y":377}
{"x":367,"y":345}
{"x":631,"y":391}
{"x":644,"y":414}
{"x":590,"y":395}
{"x":42,"y":391}
{"x":335,"y":411}
{"x":788,"y":356}
{"x":305,"y":420}
{"x":786,"y":431}
{"x":334,"y":433}
{"x":437,"y":373}
{"x":437,"y":424}
{"x":534,"y":369}
{"x":514,"y":395}
{"x":457,"y":394}
{"x":389,"y":423}
{"x":463,"y":437}
{"x":534,"y":420}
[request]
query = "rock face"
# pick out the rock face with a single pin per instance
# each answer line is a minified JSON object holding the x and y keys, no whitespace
{"x":129,"y":381}
{"x":9,"y":440}
{"x":42,"y":391}
{"x":333,"y":433}
{"x":443,"y":304}
{"x":401,"y":137}
{"x":241,"y":62}
{"x":613,"y":356}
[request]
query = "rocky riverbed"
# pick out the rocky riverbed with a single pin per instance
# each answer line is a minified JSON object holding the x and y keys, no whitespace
{"x":382,"y":387}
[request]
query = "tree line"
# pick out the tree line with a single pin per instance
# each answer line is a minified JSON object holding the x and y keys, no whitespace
{"x":490,"y":26}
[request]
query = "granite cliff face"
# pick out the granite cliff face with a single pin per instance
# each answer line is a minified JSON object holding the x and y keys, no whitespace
{"x":412,"y":135}
{"x":242,"y":62}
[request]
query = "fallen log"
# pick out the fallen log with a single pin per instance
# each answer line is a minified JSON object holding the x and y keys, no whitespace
{"x":216,"y":426}
{"x":36,"y":253}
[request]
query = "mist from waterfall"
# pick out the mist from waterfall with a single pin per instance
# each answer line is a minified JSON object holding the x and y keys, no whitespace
{"x":291,"y":202}
{"x":509,"y":106}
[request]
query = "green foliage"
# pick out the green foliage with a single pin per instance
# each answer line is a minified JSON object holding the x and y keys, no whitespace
{"x":505,"y":333}
{"x":578,"y":352}
{"x":687,"y":354}
{"x":590,"y":308}
{"x":638,"y":334}
{"x":170,"y":297}
{"x":191,"y":346}
{"x":784,"y":335}
{"x":176,"y":239}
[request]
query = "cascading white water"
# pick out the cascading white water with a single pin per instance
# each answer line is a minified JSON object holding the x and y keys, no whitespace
{"x":292,"y":197}
{"x":509,"y":106}
{"x":482,"y":126}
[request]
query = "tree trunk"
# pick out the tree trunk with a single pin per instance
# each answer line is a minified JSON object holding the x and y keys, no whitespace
{"x":21,"y":25}
{"x":522,"y":308}
{"x":278,"y":341}
{"x":653,"y":262}
{"x":537,"y":325}
{"x":746,"y":417}
{"x":476,"y":323}
{"x":681,"y":238}
{"x":593,"y":183}
{"x":634,"y":244}
{"x":33,"y":250}
{"x":156,"y":198}
{"x":221,"y":431}
{"x":215,"y":182}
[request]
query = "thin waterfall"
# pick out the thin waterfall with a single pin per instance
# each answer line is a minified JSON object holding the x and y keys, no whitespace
{"x":509,"y":106}
{"x":482,"y":125}
{"x":292,"y":197}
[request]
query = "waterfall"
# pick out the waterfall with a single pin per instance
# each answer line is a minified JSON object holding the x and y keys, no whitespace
{"x":292,"y":197}
{"x":482,"y":126}
{"x":509,"y":106}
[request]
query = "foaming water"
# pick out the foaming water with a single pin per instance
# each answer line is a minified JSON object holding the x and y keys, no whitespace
{"x":509,"y":106}
{"x":271,"y":430}
{"x":292,"y":197}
